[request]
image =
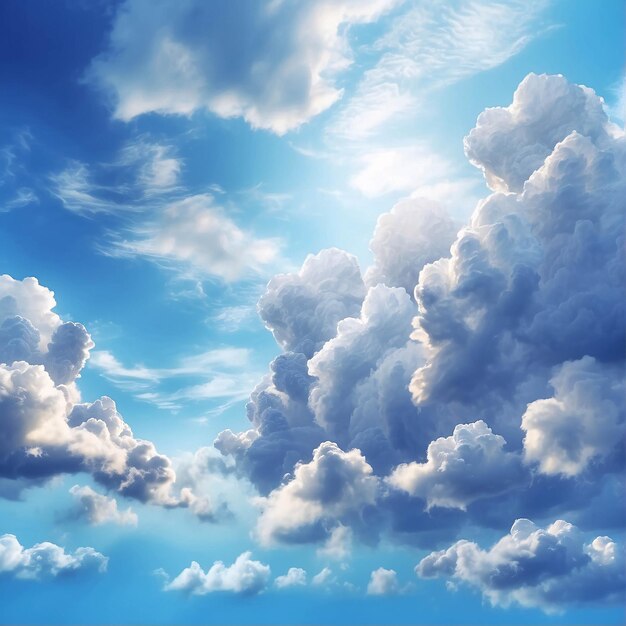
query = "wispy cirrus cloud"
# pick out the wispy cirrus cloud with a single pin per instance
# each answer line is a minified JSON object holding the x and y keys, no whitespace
{"x":431,"y":45}
{"x":223,"y":374}
{"x":141,"y":174}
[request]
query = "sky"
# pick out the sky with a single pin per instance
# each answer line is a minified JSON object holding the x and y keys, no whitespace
{"x":312,"y":312}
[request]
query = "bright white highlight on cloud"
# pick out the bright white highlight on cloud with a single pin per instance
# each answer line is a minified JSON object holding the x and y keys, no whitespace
{"x":46,"y":560}
{"x":274,"y":64}
{"x":581,"y":423}
{"x":244,"y":576}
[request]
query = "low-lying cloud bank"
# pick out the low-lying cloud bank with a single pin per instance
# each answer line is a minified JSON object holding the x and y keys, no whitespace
{"x":46,"y":560}
{"x":468,"y":377}
{"x":535,"y":567}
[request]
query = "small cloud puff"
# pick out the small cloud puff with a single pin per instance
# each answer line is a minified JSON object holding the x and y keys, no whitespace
{"x":295,"y":577}
{"x":46,"y":560}
{"x":244,"y":576}
{"x":383,"y":582}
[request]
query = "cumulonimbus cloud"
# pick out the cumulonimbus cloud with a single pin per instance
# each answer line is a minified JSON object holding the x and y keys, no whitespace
{"x":479,"y":386}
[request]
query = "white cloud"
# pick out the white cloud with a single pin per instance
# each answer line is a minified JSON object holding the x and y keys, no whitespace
{"x":244,"y":576}
{"x":302,"y":309}
{"x":334,"y":486}
{"x":415,"y":232}
{"x":47,"y":431}
{"x":224,"y":373}
{"x":176,"y":58}
{"x":196,"y":235}
{"x":430,"y":45}
{"x":46,"y":560}
{"x":383,"y":582}
{"x":581,"y":423}
{"x":295,"y":577}
{"x":323,"y":577}
{"x":98,"y":509}
{"x":469,"y":465}
{"x":535,"y":567}
{"x":533,"y":129}
{"x":338,"y":545}
{"x":382,"y":171}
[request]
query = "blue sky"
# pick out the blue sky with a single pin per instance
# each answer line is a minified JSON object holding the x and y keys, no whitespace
{"x":161,"y":162}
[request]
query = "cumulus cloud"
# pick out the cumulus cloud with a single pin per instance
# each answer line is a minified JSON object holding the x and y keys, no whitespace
{"x":415,"y":232}
{"x":244,"y":576}
{"x":518,"y":323}
{"x":383,"y":582}
{"x":469,"y":465}
{"x":295,"y":577}
{"x":335,"y":486}
{"x":583,"y":422}
{"x":47,"y":429}
{"x":529,"y":273}
{"x":139,"y":174}
{"x":98,"y":509}
{"x":302,"y":309}
{"x":536,"y":567}
{"x":46,"y":560}
{"x":361,"y":374}
{"x":544,"y":111}
{"x":338,"y":545}
{"x":278,"y":74}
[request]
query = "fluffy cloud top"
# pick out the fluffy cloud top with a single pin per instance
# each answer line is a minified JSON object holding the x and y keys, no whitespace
{"x":295,"y":577}
{"x":583,"y":423}
{"x":415,"y":232}
{"x":46,"y":429}
{"x":45,"y":560}
{"x":383,"y":582}
{"x":469,"y":465}
{"x":303,"y":309}
{"x":244,"y":576}
{"x":98,"y":509}
{"x":335,"y":485}
{"x":272,"y":64}
{"x":544,"y":111}
{"x":538,"y":567}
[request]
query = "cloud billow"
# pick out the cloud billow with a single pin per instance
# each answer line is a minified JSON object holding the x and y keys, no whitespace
{"x":496,"y":392}
{"x":272,"y":64}
{"x":535,"y":567}
{"x":48,"y":430}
